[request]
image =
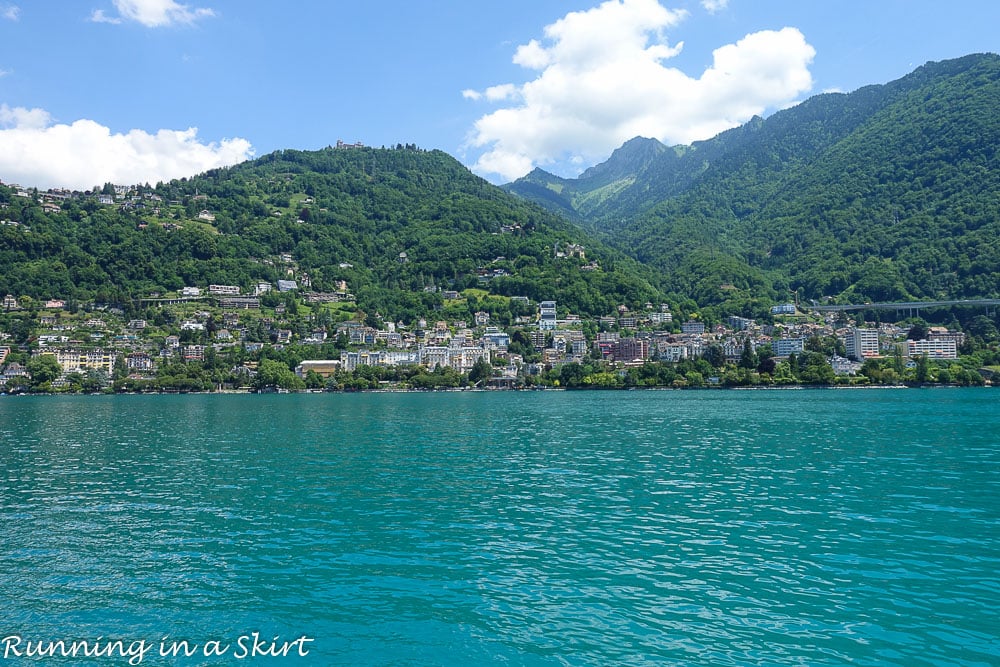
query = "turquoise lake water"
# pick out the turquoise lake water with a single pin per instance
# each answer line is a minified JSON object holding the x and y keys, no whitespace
{"x":806,"y":527}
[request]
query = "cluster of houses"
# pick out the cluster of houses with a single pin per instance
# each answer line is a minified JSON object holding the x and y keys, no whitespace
{"x":624,"y":338}
{"x":127,"y":197}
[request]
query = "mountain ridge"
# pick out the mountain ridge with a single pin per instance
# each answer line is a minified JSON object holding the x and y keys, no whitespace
{"x":729,"y":205}
{"x":818,"y":108}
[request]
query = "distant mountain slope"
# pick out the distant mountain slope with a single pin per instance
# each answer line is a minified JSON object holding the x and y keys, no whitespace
{"x":635,"y":167}
{"x":398,"y":225}
{"x":891,"y":191}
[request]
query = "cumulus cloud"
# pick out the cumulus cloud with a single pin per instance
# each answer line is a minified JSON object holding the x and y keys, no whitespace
{"x":10,"y":12}
{"x":36,"y":152}
{"x":600,"y":79}
{"x":152,"y":13}
{"x":714,"y":5}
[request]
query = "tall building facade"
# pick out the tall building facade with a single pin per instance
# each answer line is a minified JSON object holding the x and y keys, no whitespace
{"x":861,"y":344}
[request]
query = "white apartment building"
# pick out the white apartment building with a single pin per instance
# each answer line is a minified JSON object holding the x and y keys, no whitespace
{"x":861,"y":344}
{"x":547,"y":315}
{"x":785,"y":347}
{"x":692,"y":327}
{"x":934,"y":349}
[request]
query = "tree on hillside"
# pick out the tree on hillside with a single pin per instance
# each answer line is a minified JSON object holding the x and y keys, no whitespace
{"x":271,"y":373}
{"x":748,"y":358}
{"x":918,"y":331}
{"x":43,"y":369}
{"x":983,"y":328}
{"x":922,"y":371}
{"x":481,"y":371}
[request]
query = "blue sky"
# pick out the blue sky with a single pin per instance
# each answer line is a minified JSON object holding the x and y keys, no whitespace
{"x":144,"y":90}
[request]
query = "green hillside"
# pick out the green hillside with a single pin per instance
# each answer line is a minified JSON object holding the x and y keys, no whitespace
{"x":889,"y":192}
{"x":399,"y":225}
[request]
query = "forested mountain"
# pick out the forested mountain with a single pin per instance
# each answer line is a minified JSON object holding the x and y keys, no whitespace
{"x":889,"y":192}
{"x":399,"y":225}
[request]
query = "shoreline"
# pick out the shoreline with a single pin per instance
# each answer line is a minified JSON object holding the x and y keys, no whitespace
{"x":480,"y":390}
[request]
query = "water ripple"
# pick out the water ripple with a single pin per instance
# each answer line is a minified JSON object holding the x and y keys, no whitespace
{"x":642,"y":528}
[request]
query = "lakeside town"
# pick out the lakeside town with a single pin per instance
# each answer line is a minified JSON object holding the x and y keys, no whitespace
{"x":282,"y":337}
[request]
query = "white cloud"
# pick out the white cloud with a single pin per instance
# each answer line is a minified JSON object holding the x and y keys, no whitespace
{"x":21,"y":118}
{"x":714,"y":5}
{"x":503,"y":92}
{"x":100,"y":17}
{"x":531,"y":55}
{"x":10,"y":12}
{"x":36,"y":152}
{"x":499,"y":93}
{"x":152,"y":13}
{"x":601,"y":80}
